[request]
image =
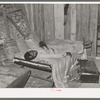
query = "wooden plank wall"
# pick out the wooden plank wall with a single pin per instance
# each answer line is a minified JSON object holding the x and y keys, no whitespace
{"x":31,"y":11}
{"x":41,"y":18}
{"x":59,"y":21}
{"x":49,"y":25}
{"x":86,"y":26}
{"x":84,"y":17}
{"x":47,"y":20}
{"x":67,"y":27}
{"x":93,"y":26}
{"x":73,"y":22}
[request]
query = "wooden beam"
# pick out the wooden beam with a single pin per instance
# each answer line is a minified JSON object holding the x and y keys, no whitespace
{"x":59,"y":21}
{"x":24,"y":14}
{"x":67,"y":27}
{"x":49,"y":22}
{"x":36,"y":20}
{"x":41,"y":22}
{"x":93,"y":26}
{"x":73,"y":22}
{"x":17,"y":27}
{"x":78,"y":22}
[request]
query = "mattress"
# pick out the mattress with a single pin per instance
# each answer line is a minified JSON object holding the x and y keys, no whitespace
{"x":56,"y":56}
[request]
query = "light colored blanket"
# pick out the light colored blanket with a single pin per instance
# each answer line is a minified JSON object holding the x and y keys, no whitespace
{"x":56,"y":56}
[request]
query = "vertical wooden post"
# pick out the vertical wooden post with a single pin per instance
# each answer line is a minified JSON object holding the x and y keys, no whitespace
{"x":67,"y":27}
{"x":93,"y":26}
{"x":73,"y":22}
{"x":49,"y":22}
{"x":32,"y":18}
{"x":59,"y":21}
{"x":41,"y":22}
{"x":78,"y":22}
{"x":87,"y":15}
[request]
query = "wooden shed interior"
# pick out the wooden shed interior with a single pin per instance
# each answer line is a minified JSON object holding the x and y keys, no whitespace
{"x":47,"y":23}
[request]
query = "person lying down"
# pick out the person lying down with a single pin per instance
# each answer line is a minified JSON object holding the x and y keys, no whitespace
{"x":61,"y":54}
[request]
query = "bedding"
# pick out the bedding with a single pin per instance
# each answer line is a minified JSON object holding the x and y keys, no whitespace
{"x":57,"y":57}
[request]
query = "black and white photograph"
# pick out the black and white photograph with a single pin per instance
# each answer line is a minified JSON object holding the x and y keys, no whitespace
{"x":49,"y":45}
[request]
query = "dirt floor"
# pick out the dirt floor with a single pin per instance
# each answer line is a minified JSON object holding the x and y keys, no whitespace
{"x":38,"y":78}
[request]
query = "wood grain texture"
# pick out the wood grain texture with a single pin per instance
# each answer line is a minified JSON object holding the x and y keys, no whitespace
{"x":73,"y":22}
{"x":86,"y":26}
{"x":39,"y":20}
{"x":59,"y":21}
{"x":78,"y":22}
{"x":49,"y":24}
{"x":93,"y":26}
{"x":67,"y":27}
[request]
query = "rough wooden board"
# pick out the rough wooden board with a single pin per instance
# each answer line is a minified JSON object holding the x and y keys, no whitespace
{"x":49,"y":22}
{"x":59,"y":21}
{"x":37,"y":83}
{"x":85,"y":21}
{"x":28,"y":24}
{"x":29,"y":8}
{"x":82,"y":20}
{"x":78,"y":22}
{"x":9,"y":74}
{"x":67,"y":27}
{"x":17,"y":27}
{"x":41,"y":22}
{"x":93,"y":26}
{"x":73,"y":22}
{"x":35,"y":9}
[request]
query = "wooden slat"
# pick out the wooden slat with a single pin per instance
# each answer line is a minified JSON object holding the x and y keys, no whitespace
{"x":12,"y":10}
{"x":36,"y":20}
{"x":78,"y":22}
{"x":24,"y":14}
{"x":59,"y":21}
{"x":73,"y":22}
{"x":49,"y":22}
{"x":41,"y":22}
{"x":93,"y":26}
{"x":67,"y":27}
{"x":32,"y":19}
{"x":29,"y":13}
{"x":85,"y":21}
{"x":82,"y":21}
{"x":27,"y":10}
{"x":17,"y":27}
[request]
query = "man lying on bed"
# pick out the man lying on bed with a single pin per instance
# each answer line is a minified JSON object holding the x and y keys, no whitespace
{"x":61,"y":54}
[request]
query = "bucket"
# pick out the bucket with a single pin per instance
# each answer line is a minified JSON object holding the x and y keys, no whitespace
{"x":10,"y":49}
